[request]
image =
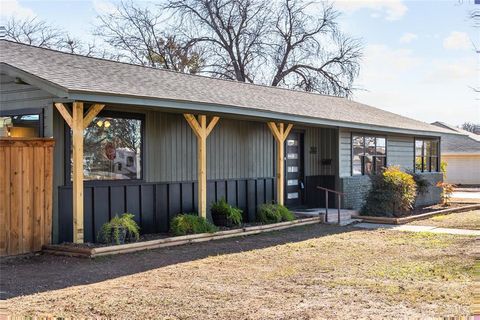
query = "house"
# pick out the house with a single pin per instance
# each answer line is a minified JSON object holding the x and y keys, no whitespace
{"x":193,"y":140}
{"x":461,"y":151}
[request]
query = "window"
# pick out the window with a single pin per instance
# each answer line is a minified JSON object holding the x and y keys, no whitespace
{"x":113,"y":147}
{"x":368,"y":154}
{"x":426,"y":155}
{"x":21,"y":123}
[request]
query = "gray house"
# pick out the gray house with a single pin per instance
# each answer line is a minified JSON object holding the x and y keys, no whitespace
{"x":157,"y":143}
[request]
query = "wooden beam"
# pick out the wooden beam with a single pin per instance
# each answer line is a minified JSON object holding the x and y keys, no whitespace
{"x":280,"y":134}
{"x":287,"y":131}
{"x":201,"y":130}
{"x":192,"y":121}
{"x":77,"y":172}
{"x":92,"y":113}
{"x":65,"y":113}
{"x":212,"y":124}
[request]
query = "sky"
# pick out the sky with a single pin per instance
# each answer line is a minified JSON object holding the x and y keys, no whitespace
{"x":419,"y":57}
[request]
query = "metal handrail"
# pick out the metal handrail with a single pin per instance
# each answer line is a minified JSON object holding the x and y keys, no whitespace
{"x":339,"y":194}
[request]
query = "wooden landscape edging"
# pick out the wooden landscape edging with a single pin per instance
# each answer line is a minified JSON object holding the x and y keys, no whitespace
{"x":67,"y":250}
{"x":403,"y":220}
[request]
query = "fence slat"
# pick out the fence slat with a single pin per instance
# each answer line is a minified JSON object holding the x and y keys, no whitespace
{"x":4,"y":199}
{"x":39,"y":202}
{"x":26,"y":194}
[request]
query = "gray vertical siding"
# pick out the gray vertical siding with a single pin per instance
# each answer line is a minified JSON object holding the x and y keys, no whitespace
{"x":324,"y":140}
{"x":15,"y":96}
{"x":235,"y":149}
{"x":400,"y":151}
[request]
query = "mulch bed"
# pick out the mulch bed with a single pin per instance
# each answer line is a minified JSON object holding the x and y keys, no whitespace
{"x":420,"y":213}
{"x":149,"y":237}
{"x":432,"y":208}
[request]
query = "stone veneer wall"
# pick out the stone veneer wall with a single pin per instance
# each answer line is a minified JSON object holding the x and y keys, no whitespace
{"x":357,"y":187}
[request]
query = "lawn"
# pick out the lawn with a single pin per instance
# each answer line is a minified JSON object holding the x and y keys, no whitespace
{"x":309,"y":272}
{"x":461,"y":220}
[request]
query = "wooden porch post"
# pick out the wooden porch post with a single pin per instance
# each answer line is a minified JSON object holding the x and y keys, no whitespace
{"x":280,"y":134}
{"x":201,"y":130}
{"x":77,"y":123}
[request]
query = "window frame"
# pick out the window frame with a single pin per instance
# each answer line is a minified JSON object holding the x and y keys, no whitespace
{"x":423,"y":156}
{"x":364,"y":136}
{"x":25,"y":112}
{"x":112,"y":114}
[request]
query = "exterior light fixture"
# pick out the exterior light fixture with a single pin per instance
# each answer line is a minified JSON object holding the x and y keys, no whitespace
{"x":99,"y":123}
{"x":107,"y":124}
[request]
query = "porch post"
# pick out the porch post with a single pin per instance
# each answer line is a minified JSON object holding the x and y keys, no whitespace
{"x":201,"y":130}
{"x":280,"y":134}
{"x":77,"y":123}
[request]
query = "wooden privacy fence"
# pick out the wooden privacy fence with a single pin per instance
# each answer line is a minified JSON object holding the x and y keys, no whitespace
{"x":26,"y":167}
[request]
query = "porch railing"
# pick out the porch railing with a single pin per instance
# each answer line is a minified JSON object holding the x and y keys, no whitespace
{"x":339,"y":195}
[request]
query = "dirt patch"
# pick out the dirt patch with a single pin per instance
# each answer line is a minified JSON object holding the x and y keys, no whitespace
{"x":308,"y":272}
{"x":461,"y":220}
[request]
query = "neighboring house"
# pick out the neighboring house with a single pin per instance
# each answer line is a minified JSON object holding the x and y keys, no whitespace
{"x":461,"y":151}
{"x":252,"y":155}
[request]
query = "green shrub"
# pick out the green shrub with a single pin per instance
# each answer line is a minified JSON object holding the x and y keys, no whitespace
{"x":422,"y":183}
{"x":222,"y":210}
{"x":118,"y":229}
{"x":392,"y":193}
{"x":272,"y":213}
{"x":190,"y":224}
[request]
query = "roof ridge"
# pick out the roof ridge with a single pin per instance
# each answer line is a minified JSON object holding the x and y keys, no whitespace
{"x":172,"y":71}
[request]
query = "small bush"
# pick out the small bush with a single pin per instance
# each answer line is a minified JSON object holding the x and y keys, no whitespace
{"x":190,"y":224}
{"x":119,"y":229}
{"x":393,"y":193}
{"x":447,"y":190}
{"x":272,"y":213}
{"x":422,"y":183}
{"x":222,"y":210}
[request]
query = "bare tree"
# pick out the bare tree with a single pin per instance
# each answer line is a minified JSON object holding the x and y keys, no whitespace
{"x":273,"y":43}
{"x":311,"y":53}
{"x":471,"y":127}
{"x":39,"y":33}
{"x":139,"y":36}
{"x":34,"y":32}
{"x":232,"y":31}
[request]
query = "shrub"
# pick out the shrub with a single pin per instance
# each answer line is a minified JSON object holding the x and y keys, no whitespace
{"x":119,"y":229}
{"x":225,"y":214}
{"x":422,"y":183}
{"x":272,"y":213}
{"x":190,"y":224}
{"x":447,"y":190}
{"x":393,"y":193}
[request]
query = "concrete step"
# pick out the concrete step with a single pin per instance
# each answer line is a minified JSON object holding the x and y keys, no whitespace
{"x":345,"y":215}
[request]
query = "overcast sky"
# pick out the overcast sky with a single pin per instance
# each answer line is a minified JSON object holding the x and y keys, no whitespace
{"x":419,"y":60}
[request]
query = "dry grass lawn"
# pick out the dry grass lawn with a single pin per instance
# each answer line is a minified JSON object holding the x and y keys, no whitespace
{"x":355,"y":274}
{"x":462,"y":220}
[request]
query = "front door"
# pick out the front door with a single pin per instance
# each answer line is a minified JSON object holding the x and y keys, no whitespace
{"x":294,"y":169}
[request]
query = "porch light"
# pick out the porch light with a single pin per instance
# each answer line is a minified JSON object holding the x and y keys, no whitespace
{"x":99,"y":123}
{"x":107,"y":124}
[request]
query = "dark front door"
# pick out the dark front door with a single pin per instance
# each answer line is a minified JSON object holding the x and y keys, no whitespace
{"x":294,"y":184}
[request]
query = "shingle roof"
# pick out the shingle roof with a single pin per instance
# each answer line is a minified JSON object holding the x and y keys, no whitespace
{"x":76,"y":73}
{"x":466,"y":143}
